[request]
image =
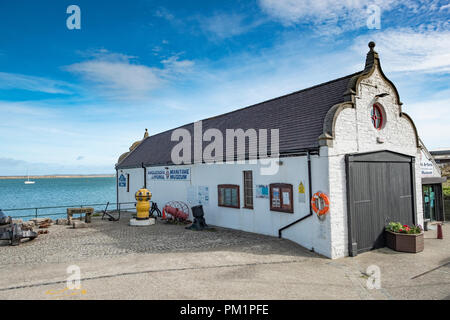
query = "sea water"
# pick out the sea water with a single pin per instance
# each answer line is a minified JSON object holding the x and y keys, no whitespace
{"x":70,"y":192}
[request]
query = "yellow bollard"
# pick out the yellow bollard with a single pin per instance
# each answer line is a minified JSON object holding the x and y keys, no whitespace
{"x":143,"y":197}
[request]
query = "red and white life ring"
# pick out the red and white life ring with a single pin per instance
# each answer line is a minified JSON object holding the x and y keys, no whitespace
{"x":319,"y":196}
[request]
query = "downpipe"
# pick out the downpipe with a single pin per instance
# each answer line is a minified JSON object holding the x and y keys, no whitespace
{"x":145,"y":175}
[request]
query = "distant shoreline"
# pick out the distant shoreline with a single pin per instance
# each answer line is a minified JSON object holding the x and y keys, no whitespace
{"x":57,"y":177}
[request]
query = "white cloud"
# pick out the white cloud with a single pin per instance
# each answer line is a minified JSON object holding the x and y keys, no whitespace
{"x":21,"y":108}
{"x":116,"y":74}
{"x":229,"y":83}
{"x":8,"y":162}
{"x":164,"y":13}
{"x":174,"y":66}
{"x":326,"y":16}
{"x":222,"y":25}
{"x":119,"y":76}
{"x":432,"y":126}
{"x":408,"y":50}
{"x":32,"y":83}
{"x":445,"y":7}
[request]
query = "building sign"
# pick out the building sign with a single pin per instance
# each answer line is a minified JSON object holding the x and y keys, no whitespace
{"x":262,"y":191}
{"x":198,"y":195}
{"x":301,"y":193}
{"x":426,"y":166}
{"x":122,"y":181}
{"x":172,"y":174}
{"x":156,"y":174}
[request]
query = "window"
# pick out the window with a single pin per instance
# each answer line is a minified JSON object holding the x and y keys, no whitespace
{"x":281,"y":197}
{"x":248,"y":189}
{"x":377,"y":117}
{"x":228,"y":195}
{"x":128,"y":182}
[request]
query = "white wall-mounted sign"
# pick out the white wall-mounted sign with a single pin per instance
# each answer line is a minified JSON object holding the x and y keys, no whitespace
{"x":171,"y":174}
{"x":122,"y":181}
{"x":198,"y":195}
{"x":262,"y":191}
{"x":426,"y":166}
{"x":286,"y":199}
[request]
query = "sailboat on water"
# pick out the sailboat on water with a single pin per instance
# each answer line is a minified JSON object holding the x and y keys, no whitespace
{"x":28,"y":181}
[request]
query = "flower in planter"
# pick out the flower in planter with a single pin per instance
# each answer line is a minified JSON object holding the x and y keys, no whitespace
{"x":404,"y":238}
{"x":397,"y":227}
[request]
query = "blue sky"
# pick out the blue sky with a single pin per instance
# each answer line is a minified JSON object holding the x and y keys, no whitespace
{"x":71,"y":101}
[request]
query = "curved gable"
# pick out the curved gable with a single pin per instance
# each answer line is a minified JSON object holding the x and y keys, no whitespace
{"x":370,"y":77}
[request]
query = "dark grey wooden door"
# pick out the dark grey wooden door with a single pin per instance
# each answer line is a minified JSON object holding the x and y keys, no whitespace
{"x":380,"y":190}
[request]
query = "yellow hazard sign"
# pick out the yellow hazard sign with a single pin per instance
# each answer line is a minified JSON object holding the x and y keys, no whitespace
{"x":301,"y":188}
{"x":301,"y":193}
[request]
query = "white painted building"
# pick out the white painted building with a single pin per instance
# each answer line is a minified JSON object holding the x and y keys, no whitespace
{"x":348,"y":138}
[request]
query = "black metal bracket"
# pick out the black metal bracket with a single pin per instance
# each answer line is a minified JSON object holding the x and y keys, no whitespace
{"x":154,"y":209}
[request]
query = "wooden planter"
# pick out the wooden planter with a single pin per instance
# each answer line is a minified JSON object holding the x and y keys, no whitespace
{"x":402,"y":242}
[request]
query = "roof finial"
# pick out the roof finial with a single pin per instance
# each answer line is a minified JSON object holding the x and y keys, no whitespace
{"x":371,"y":58}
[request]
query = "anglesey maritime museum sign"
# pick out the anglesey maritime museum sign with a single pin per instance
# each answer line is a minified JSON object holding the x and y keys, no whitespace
{"x":174,"y":174}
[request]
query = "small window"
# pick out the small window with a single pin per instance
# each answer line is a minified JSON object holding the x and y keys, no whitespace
{"x":228,"y":195}
{"x":377,"y":117}
{"x":281,"y":197}
{"x":128,"y":182}
{"x":248,"y":189}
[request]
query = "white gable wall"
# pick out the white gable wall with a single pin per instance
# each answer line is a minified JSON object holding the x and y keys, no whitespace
{"x":355,"y":133}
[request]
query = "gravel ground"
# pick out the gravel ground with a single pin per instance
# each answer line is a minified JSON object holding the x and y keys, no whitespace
{"x":109,"y":239}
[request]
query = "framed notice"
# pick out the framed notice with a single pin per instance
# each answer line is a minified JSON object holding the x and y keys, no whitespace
{"x":281,"y":197}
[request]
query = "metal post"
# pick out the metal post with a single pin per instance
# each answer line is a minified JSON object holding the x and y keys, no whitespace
{"x":36,"y":210}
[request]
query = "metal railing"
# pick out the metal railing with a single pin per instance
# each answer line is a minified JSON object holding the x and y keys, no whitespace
{"x":118,"y":207}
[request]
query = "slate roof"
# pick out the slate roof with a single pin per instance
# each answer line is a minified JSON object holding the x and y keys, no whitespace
{"x":299,"y":116}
